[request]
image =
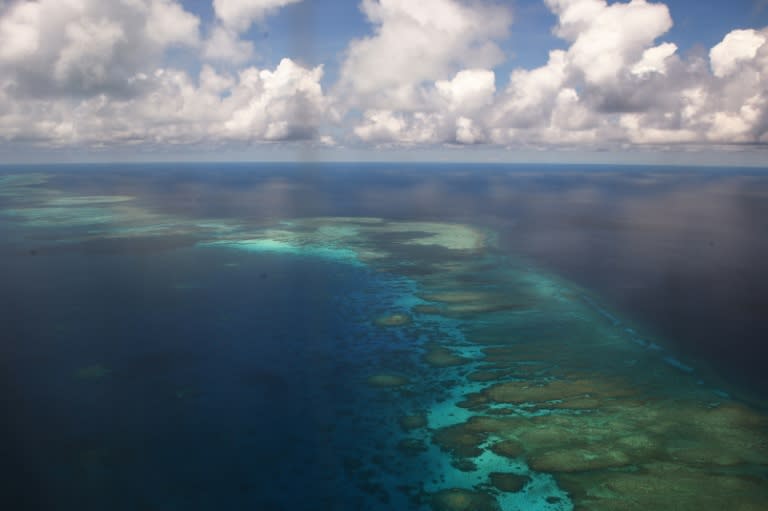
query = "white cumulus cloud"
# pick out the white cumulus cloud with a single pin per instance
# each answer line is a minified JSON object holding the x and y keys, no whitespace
{"x":168,"y":23}
{"x":89,"y":72}
{"x":284,"y":103}
{"x":240,"y":14}
{"x":80,"y":47}
{"x":616,"y":83}
{"x":447,"y":116}
{"x":418,"y":43}
{"x":737,"y":47}
{"x":224,"y":44}
{"x":607,"y":38}
{"x":654,"y":59}
{"x":233,"y":17}
{"x":19,"y":32}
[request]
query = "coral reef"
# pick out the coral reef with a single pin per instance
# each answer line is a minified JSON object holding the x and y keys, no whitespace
{"x":508,"y":482}
{"x":488,"y":375}
{"x":663,"y":485}
{"x":457,"y":499}
{"x":427,"y":309}
{"x":92,"y":372}
{"x":411,"y":422}
{"x":388,"y":380}
{"x":411,"y":446}
{"x":396,"y":319}
{"x":459,"y":441}
{"x":508,"y":448}
{"x":439,"y":356}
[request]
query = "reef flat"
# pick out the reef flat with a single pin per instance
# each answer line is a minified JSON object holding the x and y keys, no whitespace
{"x":481,"y":381}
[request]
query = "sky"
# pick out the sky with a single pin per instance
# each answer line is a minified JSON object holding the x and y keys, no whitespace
{"x":675,"y":82}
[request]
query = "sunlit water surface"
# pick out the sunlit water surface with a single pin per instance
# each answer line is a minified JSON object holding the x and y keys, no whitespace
{"x":377,"y":337}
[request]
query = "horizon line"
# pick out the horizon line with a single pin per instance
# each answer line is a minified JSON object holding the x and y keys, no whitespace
{"x":755,"y":166}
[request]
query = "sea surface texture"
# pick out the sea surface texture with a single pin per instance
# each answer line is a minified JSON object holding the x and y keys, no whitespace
{"x":383,"y":337}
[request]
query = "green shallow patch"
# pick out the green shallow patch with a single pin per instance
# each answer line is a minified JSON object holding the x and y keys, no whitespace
{"x":664,"y":485}
{"x":62,"y":216}
{"x":396,"y":319}
{"x":459,"y":499}
{"x":411,"y":422}
{"x":105,"y":216}
{"x":388,"y":380}
{"x":12,"y":185}
{"x":88,"y":199}
{"x":92,"y":372}
{"x":281,"y":247}
{"x":450,"y":236}
{"x":508,"y":482}
{"x":440,"y":356}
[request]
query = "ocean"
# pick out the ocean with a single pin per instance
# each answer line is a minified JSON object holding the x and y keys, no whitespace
{"x":383,"y":336}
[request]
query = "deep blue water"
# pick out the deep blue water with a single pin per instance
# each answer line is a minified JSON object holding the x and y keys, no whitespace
{"x":225,"y":391}
{"x":226,"y":379}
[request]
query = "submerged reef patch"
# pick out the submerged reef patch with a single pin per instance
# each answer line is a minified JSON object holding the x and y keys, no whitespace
{"x":88,"y":199}
{"x":20,"y":185}
{"x":440,"y":356}
{"x":458,"y":499}
{"x":664,"y":485}
{"x":92,"y":372}
{"x":410,"y":422}
{"x":508,"y":482}
{"x":388,"y":380}
{"x":396,"y":319}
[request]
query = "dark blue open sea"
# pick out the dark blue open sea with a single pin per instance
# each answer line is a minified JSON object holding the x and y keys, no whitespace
{"x":280,"y":337}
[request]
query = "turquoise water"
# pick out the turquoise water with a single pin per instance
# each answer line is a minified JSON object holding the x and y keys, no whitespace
{"x":175,"y":343}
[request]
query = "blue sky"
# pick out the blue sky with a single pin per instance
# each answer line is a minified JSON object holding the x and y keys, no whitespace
{"x":331,"y":24}
{"x":679,"y":81}
{"x":334,"y":22}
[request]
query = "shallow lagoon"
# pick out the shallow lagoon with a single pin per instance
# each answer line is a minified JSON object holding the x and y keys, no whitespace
{"x":383,"y":337}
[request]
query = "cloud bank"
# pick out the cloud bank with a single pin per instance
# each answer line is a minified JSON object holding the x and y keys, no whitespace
{"x":617,"y":83}
{"x":90,"y":73}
